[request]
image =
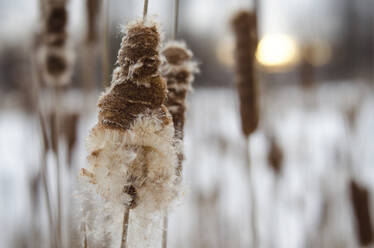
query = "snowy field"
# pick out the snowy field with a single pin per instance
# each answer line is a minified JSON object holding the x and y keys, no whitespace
{"x":306,"y":205}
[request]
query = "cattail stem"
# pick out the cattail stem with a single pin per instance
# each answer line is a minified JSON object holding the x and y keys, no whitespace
{"x":44,"y":177}
{"x":165,"y":231}
{"x":145,"y":10}
{"x":125,"y":226}
{"x":55,"y":135}
{"x":84,"y":241}
{"x":252,"y":198}
{"x":105,"y":46}
{"x":176,"y":15}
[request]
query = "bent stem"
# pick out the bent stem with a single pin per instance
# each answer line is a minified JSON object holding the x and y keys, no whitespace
{"x":125,"y":227}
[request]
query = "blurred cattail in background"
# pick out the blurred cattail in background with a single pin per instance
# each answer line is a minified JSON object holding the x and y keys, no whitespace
{"x":275,"y":155}
{"x":361,"y":209}
{"x":55,"y":55}
{"x":244,"y":25}
{"x":133,"y":157}
{"x":178,"y":71}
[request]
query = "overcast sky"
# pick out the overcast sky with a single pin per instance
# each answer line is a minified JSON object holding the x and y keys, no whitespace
{"x":300,"y":18}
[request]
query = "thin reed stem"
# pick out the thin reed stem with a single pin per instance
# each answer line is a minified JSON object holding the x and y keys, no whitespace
{"x":165,"y":231}
{"x":252,"y":198}
{"x":44,"y":177}
{"x":55,"y":134}
{"x":105,"y":47}
{"x":84,"y":243}
{"x":145,"y":10}
{"x":176,"y":16}
{"x":125,"y":227}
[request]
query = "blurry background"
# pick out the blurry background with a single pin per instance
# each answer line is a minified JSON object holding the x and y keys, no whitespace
{"x":315,"y":63}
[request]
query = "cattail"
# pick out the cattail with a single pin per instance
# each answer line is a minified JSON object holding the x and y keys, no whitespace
{"x":56,"y":58}
{"x":131,"y":149}
{"x":244,"y":25}
{"x":245,"y":28}
{"x":179,"y":70}
{"x":361,"y":208}
{"x":275,"y":156}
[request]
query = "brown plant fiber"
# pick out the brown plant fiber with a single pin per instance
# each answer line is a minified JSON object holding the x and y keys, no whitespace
{"x":245,"y":28}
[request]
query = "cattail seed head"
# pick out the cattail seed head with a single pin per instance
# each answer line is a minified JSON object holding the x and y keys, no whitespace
{"x":138,"y":56}
{"x":55,"y":57}
{"x":57,"y":65}
{"x":245,"y":28}
{"x":179,"y":71}
{"x":132,"y":152}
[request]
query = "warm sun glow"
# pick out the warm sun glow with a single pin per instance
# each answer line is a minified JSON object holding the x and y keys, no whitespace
{"x":277,"y":51}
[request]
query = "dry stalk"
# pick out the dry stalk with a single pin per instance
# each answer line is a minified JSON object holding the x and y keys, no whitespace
{"x":360,"y":200}
{"x":125,"y":225}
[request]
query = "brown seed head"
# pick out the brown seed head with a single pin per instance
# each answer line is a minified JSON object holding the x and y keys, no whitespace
{"x":245,"y":28}
{"x":176,"y":55}
{"x":137,"y":87}
{"x":139,"y":48}
{"x":125,"y":101}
